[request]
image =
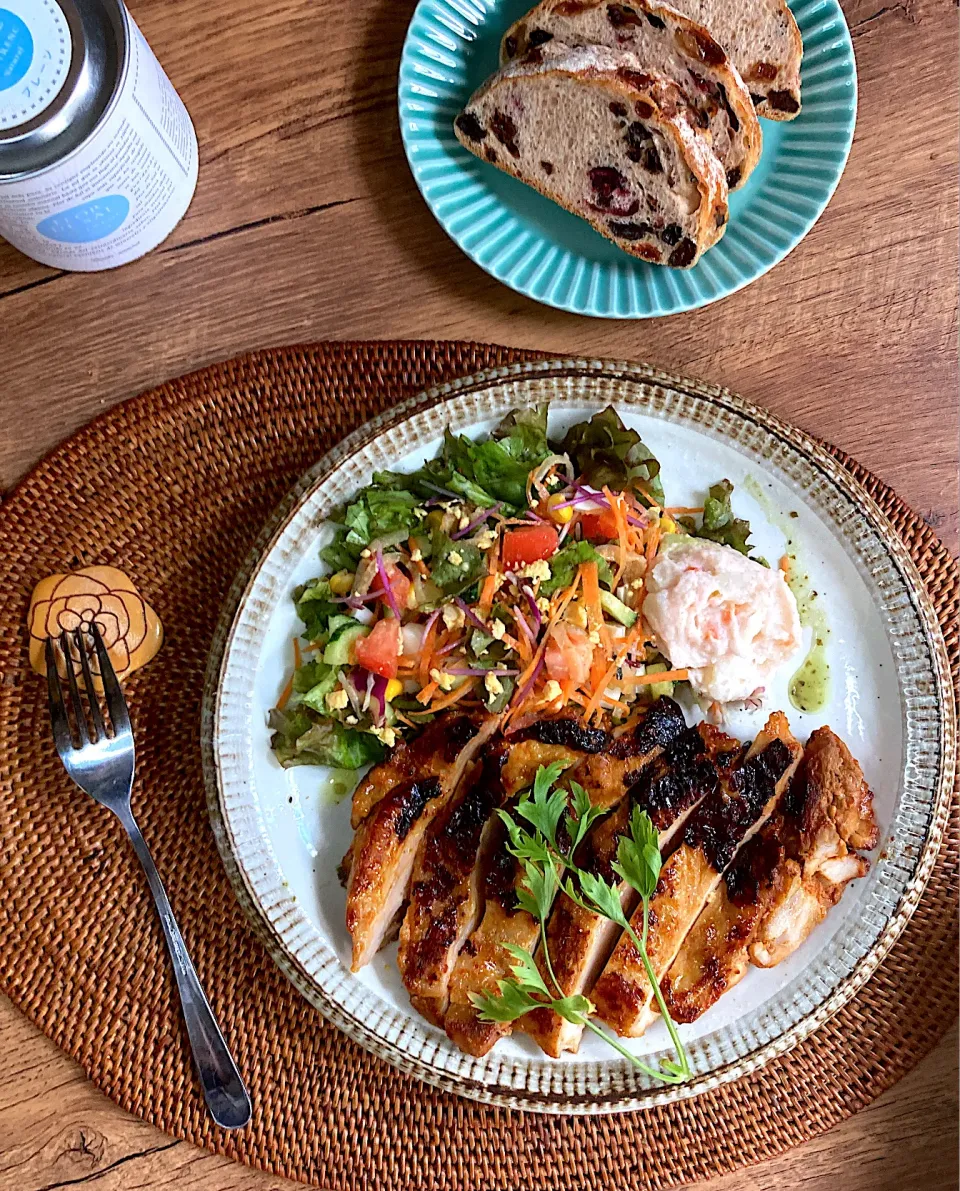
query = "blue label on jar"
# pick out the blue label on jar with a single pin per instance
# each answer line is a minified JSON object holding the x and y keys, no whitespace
{"x":16,"y":49}
{"x":89,"y":221}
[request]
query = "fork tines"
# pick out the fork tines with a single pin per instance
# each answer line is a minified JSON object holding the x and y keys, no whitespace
{"x":87,"y":723}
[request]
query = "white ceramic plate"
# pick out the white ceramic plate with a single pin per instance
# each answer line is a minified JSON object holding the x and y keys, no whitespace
{"x":281,"y":838}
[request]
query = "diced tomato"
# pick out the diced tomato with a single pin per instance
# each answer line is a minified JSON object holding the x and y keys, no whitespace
{"x":379,"y":651}
{"x":569,"y":654}
{"x":399,"y":584}
{"x":528,"y":543}
{"x":599,"y":525}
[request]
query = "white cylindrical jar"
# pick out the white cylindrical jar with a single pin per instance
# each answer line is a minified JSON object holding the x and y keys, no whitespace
{"x":98,"y":155}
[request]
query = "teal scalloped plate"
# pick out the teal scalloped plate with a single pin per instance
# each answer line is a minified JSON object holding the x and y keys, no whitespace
{"x":542,"y":251}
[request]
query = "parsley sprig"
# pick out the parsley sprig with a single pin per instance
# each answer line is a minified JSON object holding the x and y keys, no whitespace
{"x":547,"y":855}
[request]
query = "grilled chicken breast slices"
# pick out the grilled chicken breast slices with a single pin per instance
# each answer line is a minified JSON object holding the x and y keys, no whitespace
{"x":834,"y":815}
{"x":445,"y":890}
{"x":667,"y":782}
{"x":483,"y":959}
{"x":443,"y":749}
{"x":385,"y":845}
{"x":748,"y":793}
{"x":715,"y":954}
{"x":783,"y":881}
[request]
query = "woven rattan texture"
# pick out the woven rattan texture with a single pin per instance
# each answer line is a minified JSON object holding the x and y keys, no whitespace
{"x":174,"y":486}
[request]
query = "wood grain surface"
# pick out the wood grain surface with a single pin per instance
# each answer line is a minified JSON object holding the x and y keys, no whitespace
{"x":306,"y":225}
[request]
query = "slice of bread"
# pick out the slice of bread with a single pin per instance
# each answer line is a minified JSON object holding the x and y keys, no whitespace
{"x":764,"y":42}
{"x":616,"y":145}
{"x":667,"y":42}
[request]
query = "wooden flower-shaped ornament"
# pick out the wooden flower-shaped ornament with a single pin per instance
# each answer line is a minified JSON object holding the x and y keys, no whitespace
{"x":128,"y":625}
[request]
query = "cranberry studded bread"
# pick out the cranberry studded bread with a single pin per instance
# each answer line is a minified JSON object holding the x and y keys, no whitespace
{"x":667,"y":42}
{"x":763,"y":42}
{"x":615,"y":145}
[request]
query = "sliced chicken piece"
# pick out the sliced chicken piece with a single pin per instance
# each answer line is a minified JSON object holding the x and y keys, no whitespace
{"x":836,"y":796}
{"x":445,"y":890}
{"x":443,"y":749}
{"x":748,"y":794}
{"x":714,"y":956}
{"x":386,"y":842}
{"x":832,"y":815}
{"x":483,"y":960}
{"x":783,"y":881}
{"x":610,"y":762}
{"x":668,"y":784}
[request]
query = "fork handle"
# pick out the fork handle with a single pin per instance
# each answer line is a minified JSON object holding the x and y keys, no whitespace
{"x":223,"y":1089}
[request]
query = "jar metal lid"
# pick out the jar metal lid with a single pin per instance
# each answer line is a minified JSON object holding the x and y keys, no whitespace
{"x":51,"y":131}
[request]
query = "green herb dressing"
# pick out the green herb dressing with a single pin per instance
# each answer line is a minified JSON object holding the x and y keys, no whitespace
{"x":810,"y":686}
{"x":337,"y":785}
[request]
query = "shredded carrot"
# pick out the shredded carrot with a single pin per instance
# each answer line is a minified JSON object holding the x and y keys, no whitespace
{"x":623,"y":533}
{"x":576,"y":697}
{"x":646,"y":495}
{"x":312,"y":647}
{"x":428,"y":692}
{"x":523,"y":646}
{"x":662,"y":676}
{"x":297,"y":657}
{"x":591,"y":592}
{"x":653,"y":544}
{"x":453,"y":696}
{"x":564,"y":602}
{"x":682,"y":509}
{"x":420,"y":564}
{"x":784,"y":564}
{"x":285,"y":694}
{"x":486,"y":594}
{"x":599,"y":687}
{"x":555,"y":615}
{"x":488,"y":590}
{"x":426,"y":653}
{"x":597,"y":671}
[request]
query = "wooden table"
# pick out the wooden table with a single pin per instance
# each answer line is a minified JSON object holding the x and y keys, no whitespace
{"x":306,"y":225}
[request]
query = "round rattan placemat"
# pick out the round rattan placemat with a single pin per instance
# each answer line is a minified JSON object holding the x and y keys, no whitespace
{"x":174,"y":486}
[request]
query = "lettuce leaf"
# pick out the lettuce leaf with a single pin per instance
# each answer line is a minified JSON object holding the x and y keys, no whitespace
{"x":314,"y":603}
{"x":378,"y":513}
{"x":523,"y":433}
{"x":435,"y":478}
{"x":564,"y":564}
{"x":718,"y":523}
{"x":605,"y":452}
{"x":454,"y":577}
{"x":313,"y":682}
{"x":301,"y":737}
{"x":340,"y":555}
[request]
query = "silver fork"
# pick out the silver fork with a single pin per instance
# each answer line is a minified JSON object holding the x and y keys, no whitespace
{"x":102,"y":765}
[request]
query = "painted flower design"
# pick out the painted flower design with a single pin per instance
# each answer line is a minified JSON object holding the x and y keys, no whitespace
{"x":131,"y":631}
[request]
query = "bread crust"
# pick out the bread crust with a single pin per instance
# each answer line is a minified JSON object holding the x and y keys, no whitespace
{"x":668,"y":112}
{"x":764,"y":41}
{"x":643,"y":22}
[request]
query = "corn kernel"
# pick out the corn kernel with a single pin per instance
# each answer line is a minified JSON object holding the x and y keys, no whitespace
{"x":394,"y":688}
{"x":341,"y":583}
{"x":667,"y":524}
{"x":560,"y":515}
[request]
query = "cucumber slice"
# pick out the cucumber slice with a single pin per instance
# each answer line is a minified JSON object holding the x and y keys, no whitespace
{"x":617,"y":609}
{"x":339,"y":647}
{"x":658,"y":689}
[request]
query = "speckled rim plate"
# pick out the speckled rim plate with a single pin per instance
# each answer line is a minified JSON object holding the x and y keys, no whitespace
{"x":527,"y":242}
{"x":243,"y":807}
